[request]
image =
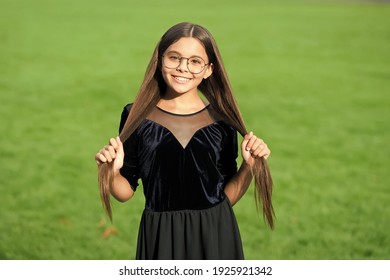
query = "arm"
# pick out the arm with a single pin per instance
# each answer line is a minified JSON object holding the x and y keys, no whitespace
{"x":239,"y":184}
{"x":252,"y":148}
{"x":121,"y":188}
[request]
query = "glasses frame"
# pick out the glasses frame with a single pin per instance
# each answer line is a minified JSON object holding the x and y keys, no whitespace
{"x":188,"y":59}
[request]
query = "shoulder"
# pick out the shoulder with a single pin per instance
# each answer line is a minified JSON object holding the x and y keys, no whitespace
{"x":127,"y":107}
{"x":221,"y":120}
{"x":124,"y":115}
{"x":228,"y":129}
{"x":126,"y":110}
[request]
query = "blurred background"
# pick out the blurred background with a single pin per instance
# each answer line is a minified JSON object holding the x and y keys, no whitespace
{"x":312,"y":78}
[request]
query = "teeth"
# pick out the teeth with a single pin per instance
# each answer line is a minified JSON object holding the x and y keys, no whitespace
{"x":182,"y":79}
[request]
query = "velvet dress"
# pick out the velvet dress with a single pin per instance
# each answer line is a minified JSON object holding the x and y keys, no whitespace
{"x":184,"y":163}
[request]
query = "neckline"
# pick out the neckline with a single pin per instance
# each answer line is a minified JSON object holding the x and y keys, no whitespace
{"x":193,"y":134}
{"x":183,"y":115}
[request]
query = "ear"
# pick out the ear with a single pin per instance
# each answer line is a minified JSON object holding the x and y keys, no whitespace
{"x":208,"y":71}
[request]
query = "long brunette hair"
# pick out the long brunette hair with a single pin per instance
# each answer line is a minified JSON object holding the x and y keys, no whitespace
{"x":216,"y":89}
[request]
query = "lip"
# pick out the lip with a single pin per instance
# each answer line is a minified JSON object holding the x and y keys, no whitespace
{"x":181,"y":79}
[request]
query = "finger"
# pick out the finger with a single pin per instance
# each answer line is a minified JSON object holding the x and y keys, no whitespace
{"x":261,"y":150}
{"x":113,"y":143}
{"x":258,"y":144}
{"x":100,"y":158}
{"x":111,"y":150}
{"x":252,"y":140}
{"x":248,"y":135}
{"x":107,"y":155}
{"x":97,"y":159}
{"x":119,"y":144}
{"x":264,"y":153}
{"x":246,"y":140}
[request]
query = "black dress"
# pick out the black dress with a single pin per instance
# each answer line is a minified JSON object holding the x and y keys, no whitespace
{"x":184,"y":162}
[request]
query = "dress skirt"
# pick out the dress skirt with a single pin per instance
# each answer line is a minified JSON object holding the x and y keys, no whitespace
{"x":207,"y":234}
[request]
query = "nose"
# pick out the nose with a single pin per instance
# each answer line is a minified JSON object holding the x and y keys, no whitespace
{"x":183,"y":65}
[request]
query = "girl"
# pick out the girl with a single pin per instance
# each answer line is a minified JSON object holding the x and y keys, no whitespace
{"x":184,"y":150}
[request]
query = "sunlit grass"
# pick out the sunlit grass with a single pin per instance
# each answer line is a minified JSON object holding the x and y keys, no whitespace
{"x":312,"y":79}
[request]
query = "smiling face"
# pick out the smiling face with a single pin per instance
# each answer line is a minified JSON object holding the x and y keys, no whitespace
{"x":179,"y":79}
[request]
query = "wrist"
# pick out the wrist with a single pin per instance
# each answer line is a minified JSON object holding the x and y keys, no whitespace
{"x":116,"y":172}
{"x":246,"y":166}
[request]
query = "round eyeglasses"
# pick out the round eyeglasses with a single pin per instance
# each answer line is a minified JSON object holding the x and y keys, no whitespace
{"x":195,"y":64}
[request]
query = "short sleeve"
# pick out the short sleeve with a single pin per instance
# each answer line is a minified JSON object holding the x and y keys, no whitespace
{"x":130,"y":162}
{"x":229,"y":153}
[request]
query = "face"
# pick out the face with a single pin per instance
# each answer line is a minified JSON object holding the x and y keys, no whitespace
{"x":187,"y":53}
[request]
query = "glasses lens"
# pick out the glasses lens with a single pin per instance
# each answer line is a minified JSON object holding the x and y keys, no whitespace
{"x":195,"y":64}
{"x":171,"y":60}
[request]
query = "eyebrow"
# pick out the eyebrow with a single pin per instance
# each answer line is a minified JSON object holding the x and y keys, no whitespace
{"x":186,"y":57}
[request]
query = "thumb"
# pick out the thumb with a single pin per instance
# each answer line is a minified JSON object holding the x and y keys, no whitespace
{"x":246,"y":139}
{"x":119,"y":149}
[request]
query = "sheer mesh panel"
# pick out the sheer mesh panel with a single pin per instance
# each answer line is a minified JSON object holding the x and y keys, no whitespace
{"x":183,"y":127}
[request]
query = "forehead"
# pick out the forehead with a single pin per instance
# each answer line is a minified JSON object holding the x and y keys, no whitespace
{"x":188,"y":46}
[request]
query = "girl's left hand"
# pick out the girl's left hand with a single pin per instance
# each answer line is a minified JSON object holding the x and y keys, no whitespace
{"x":252,"y":148}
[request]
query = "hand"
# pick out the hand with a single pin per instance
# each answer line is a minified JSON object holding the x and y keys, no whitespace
{"x":113,"y":152}
{"x":252,"y":148}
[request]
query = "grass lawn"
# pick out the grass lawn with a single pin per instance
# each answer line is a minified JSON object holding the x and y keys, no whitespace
{"x":311,"y":77}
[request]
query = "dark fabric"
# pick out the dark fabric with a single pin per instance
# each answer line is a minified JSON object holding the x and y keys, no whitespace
{"x":184,"y":163}
{"x":130,"y":163}
{"x":176,"y":177}
{"x":209,"y":234}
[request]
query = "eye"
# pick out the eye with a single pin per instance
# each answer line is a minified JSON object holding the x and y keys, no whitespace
{"x":173,"y":57}
{"x":196,"y":61}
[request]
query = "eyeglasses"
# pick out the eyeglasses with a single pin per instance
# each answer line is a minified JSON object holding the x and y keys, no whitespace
{"x":195,"y":64}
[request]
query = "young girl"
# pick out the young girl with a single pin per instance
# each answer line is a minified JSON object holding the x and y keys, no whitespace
{"x":184,"y":150}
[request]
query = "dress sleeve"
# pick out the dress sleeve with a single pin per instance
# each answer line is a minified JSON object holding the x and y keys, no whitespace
{"x":130,"y":162}
{"x":229,"y":153}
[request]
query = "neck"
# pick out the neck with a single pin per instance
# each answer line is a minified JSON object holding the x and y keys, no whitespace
{"x":181,"y":103}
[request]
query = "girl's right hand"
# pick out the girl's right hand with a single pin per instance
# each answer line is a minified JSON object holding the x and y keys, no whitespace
{"x":113,"y":152}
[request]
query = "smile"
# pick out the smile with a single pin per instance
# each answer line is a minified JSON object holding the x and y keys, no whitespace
{"x":181,"y":79}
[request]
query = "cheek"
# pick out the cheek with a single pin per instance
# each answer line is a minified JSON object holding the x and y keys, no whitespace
{"x":164,"y":74}
{"x":201,"y":78}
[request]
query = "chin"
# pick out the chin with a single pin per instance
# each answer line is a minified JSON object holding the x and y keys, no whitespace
{"x":181,"y":89}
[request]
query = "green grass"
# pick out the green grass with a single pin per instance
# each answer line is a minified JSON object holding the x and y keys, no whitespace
{"x":312,"y":78}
